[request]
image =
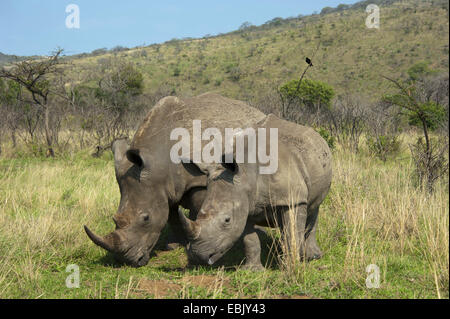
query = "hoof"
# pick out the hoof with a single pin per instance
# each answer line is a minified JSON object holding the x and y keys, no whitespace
{"x":253,"y":267}
{"x":314,"y":257}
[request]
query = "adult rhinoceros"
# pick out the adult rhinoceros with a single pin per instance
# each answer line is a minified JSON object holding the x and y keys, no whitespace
{"x":151,"y":185}
{"x":239,"y":197}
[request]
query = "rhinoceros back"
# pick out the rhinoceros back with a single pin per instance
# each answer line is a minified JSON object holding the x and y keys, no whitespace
{"x":304,"y":158}
{"x":214,"y":111}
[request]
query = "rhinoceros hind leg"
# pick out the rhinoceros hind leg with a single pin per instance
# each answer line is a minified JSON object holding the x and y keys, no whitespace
{"x":312,"y":247}
{"x":293,"y":224}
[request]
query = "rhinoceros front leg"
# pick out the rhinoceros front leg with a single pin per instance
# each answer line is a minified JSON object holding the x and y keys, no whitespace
{"x":293,"y":224}
{"x":252,"y":246}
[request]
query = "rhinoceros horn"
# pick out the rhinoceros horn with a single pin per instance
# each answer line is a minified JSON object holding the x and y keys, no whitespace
{"x":191,"y":228}
{"x":105,"y":242}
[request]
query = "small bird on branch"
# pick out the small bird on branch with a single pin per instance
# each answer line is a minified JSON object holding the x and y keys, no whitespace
{"x":308,"y":60}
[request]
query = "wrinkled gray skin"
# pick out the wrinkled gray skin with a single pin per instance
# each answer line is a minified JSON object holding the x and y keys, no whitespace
{"x":238,"y":198}
{"x":151,"y":186}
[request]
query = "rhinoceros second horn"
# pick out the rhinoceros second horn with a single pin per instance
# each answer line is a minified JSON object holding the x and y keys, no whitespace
{"x":191,"y":228}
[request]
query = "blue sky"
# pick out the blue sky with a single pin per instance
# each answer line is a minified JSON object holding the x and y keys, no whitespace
{"x":29,"y":27}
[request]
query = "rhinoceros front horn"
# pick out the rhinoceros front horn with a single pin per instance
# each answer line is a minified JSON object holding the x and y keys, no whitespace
{"x":191,"y":228}
{"x":105,"y":242}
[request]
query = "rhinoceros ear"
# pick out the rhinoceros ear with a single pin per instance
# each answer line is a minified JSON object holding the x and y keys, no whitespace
{"x":134,"y":157}
{"x":229,"y":162}
{"x":194,"y":169}
{"x":119,"y":147}
{"x":212,"y":169}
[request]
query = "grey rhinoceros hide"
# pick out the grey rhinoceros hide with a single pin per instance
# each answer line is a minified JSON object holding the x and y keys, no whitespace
{"x":238,"y":197}
{"x":152,"y":186}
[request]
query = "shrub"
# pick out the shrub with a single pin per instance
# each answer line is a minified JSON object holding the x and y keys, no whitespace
{"x":99,"y":51}
{"x":235,"y":74}
{"x":176,"y":72}
{"x":431,"y":161}
{"x":383,"y":146}
{"x":310,"y":93}
{"x":245,"y":25}
{"x":433,"y":113}
{"x":326,"y":135}
{"x":419,"y":70}
{"x":347,"y":119}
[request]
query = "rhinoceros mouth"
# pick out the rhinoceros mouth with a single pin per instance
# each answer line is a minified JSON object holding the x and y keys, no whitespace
{"x":140,"y":259}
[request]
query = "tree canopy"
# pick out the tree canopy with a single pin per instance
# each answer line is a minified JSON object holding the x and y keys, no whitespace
{"x":310,"y":93}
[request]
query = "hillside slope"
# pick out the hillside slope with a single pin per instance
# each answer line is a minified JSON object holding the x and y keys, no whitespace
{"x":250,"y":62}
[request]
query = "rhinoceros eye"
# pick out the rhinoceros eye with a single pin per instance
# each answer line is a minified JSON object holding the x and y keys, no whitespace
{"x":146,"y":218}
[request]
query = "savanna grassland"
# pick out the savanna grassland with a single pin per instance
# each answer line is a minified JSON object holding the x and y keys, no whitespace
{"x":249,"y":63}
{"x":375,"y":214}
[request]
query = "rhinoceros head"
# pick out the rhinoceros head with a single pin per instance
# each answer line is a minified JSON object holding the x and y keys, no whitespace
{"x":143,"y":208}
{"x":223,"y":215}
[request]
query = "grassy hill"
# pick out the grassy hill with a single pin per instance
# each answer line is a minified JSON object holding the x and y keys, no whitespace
{"x":6,"y":59}
{"x":250,"y":62}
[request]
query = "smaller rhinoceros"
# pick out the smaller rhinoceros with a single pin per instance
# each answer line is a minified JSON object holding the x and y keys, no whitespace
{"x":238,"y":198}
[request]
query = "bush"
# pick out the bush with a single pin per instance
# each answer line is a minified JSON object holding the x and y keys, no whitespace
{"x":119,"y":48}
{"x":383,"y":146}
{"x":176,"y":72}
{"x":419,"y":70}
{"x":433,"y":113}
{"x":326,"y":135}
{"x":274,"y":22}
{"x":235,"y":74}
{"x":99,"y":51}
{"x":347,"y":119}
{"x":310,"y":93}
{"x":431,"y":161}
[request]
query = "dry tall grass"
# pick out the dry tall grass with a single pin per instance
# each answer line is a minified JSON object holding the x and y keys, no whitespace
{"x":43,"y":206}
{"x":380,"y":203}
{"x":374,"y":214}
{"x":378,"y":212}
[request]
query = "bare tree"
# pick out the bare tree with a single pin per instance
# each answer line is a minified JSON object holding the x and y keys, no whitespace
{"x":383,"y":122}
{"x":35,"y":76}
{"x":347,"y":120}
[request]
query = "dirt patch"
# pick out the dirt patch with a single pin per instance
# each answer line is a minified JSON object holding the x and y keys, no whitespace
{"x":158,"y":288}
{"x":161,"y":288}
